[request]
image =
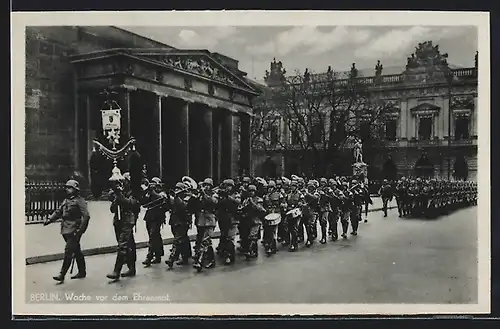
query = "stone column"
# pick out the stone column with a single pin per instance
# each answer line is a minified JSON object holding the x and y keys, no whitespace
{"x":403,"y":122}
{"x":246,"y":149}
{"x":157,"y":113}
{"x":474,"y":122}
{"x":227,"y":139}
{"x":182,"y":155}
{"x":217,"y":145}
{"x":446,"y":109}
{"x":207,"y":143}
{"x":124,"y":102}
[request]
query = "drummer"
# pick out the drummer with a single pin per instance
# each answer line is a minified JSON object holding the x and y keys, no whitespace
{"x":272,"y":202}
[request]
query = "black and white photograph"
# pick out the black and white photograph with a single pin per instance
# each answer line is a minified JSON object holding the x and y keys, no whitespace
{"x":232,"y":163}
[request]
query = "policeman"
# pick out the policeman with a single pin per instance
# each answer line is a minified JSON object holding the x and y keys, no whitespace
{"x":252,"y":211}
{"x":154,"y":217}
{"x":180,"y":220}
{"x":346,"y":207}
{"x":336,"y":213}
{"x":227,"y":215}
{"x":401,"y":196}
{"x":125,"y":209}
{"x":386,"y":193}
{"x":75,"y":219}
{"x":205,"y":222}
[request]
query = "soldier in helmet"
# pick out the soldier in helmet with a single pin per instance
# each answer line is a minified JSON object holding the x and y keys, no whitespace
{"x":310,"y":211}
{"x":180,"y":221}
{"x":242,"y":229}
{"x":227,"y":215}
{"x":75,"y":219}
{"x":206,"y":206}
{"x":294,"y":200}
{"x":346,"y":207}
{"x":125,"y":209}
{"x":252,"y":212}
{"x":154,"y":217}
{"x":386,"y":193}
{"x":324,"y":207}
{"x":272,"y":204}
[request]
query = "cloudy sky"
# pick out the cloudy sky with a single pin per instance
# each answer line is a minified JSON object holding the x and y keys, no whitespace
{"x":317,"y":47}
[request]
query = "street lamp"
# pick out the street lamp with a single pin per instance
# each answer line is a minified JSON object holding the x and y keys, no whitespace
{"x":449,"y":79}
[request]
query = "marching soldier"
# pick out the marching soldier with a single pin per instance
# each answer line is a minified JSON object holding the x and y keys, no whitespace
{"x":283,"y":234}
{"x":367,"y":200}
{"x":252,"y":210}
{"x":227,"y":215}
{"x":180,"y":221}
{"x":293,"y":216}
{"x":125,"y":209}
{"x":272,"y":203}
{"x":358,"y":198}
{"x":156,"y":206}
{"x":336,"y":202}
{"x":401,"y":196}
{"x":205,"y":222}
{"x":386,"y":193}
{"x":242,"y":228}
{"x":325,"y":193}
{"x":310,"y":211}
{"x":75,"y":219}
{"x":346,"y":208}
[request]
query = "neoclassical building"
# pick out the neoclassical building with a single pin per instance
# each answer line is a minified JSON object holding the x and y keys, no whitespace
{"x":430,"y":98}
{"x":189,"y":110}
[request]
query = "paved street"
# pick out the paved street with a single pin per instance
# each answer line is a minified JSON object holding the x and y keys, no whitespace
{"x":45,"y":240}
{"x":392,"y":260}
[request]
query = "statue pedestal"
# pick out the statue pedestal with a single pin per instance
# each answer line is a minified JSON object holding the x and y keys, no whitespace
{"x":360,"y":168}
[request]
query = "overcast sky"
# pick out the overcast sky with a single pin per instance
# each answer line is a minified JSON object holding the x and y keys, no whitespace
{"x":318,"y":47}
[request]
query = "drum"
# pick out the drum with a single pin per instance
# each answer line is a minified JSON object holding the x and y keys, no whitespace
{"x":296,"y":212}
{"x":273,"y":219}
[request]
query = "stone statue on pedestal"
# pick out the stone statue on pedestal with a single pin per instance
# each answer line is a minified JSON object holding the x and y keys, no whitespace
{"x":358,"y":151}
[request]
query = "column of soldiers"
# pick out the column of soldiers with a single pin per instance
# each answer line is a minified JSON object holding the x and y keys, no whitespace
{"x":282,"y":211}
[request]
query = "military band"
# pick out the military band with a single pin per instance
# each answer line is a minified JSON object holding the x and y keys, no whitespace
{"x":282,"y":209}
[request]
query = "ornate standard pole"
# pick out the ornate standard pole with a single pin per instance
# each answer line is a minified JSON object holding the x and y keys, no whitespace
{"x":111,"y":125}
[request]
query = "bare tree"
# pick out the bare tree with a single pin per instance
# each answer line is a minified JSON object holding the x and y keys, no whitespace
{"x":322,"y":114}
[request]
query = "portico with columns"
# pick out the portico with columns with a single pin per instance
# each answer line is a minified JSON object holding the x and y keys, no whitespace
{"x":189,"y":114}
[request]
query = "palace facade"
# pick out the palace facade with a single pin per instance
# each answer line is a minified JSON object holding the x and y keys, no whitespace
{"x":430,"y":99}
{"x":189,"y":110}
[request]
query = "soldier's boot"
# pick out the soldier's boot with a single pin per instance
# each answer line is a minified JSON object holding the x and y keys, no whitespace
{"x":185,"y":254}
{"x":131,"y":269}
{"x":198,"y":260}
{"x":149,"y":258}
{"x":230,"y":254}
{"x":64,"y":269}
{"x":249,"y":254}
{"x":323,"y":234}
{"x":210,"y":258}
{"x":174,"y":255}
{"x":157,"y":257}
{"x":115,"y":275}
{"x":82,"y":268}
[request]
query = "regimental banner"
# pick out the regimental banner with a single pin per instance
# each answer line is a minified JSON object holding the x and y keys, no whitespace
{"x":111,"y":119}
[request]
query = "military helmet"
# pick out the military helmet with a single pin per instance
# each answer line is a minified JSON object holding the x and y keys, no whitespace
{"x":252,"y":188}
{"x":246,"y":179}
{"x":156,"y":181}
{"x":228,"y":182}
{"x":208,"y":181}
{"x":126,"y":176}
{"x":386,"y":181}
{"x":323,"y":180}
{"x":271,"y":183}
{"x":73,"y":184}
{"x":180,"y":186}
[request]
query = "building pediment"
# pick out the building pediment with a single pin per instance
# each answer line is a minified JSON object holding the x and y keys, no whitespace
{"x":425,"y":109}
{"x":196,"y":62}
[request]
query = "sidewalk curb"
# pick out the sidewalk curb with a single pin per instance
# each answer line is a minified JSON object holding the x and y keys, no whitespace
{"x":112,"y":249}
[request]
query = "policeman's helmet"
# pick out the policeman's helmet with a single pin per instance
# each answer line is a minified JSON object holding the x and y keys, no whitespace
{"x":246,"y":180}
{"x":271,"y":183}
{"x":386,"y":181}
{"x":252,"y":188}
{"x":208,"y":181}
{"x":73,"y":184}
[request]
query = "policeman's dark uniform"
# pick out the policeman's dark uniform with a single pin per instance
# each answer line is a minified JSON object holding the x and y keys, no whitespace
{"x":227,"y":215}
{"x":401,"y":196}
{"x":386,"y":193}
{"x":154,"y":218}
{"x":75,"y":218}
{"x":358,"y":199}
{"x":125,"y":207}
{"x":180,"y":220}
